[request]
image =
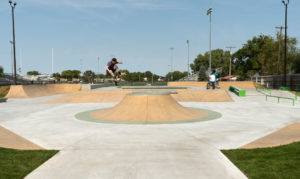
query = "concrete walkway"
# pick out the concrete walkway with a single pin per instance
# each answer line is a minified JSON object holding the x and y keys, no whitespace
{"x":93,"y":150}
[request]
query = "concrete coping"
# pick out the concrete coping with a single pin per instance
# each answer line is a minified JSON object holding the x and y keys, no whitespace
{"x":152,"y":93}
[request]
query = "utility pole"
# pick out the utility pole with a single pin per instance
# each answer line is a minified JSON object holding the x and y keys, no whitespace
{"x":172,"y":49}
{"x":21,"y":61}
{"x":279,"y":49}
{"x":12,"y":57}
{"x":285,"y":3}
{"x":98,"y":65}
{"x":188,"y":65}
{"x":230,"y":50}
{"x":52,"y":61}
{"x":13,"y":5}
{"x":81,"y":65}
{"x":209,"y":11}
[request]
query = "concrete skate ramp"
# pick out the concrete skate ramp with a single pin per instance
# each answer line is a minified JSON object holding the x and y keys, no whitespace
{"x":222,"y":84}
{"x":31,"y":91}
{"x":148,"y":107}
{"x":11,"y":140}
{"x":283,"y":136}
{"x":202,"y":96}
{"x":90,"y":97}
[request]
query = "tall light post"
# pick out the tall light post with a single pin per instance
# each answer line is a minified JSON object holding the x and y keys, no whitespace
{"x":285,"y":3}
{"x":13,"y":5}
{"x":98,"y":65}
{"x":52,"y":61}
{"x":279,"y":49}
{"x":188,"y":64}
{"x":209,"y":11}
{"x":230,"y":51}
{"x":12,"y":57}
{"x":81,"y":65}
{"x":172,"y":49}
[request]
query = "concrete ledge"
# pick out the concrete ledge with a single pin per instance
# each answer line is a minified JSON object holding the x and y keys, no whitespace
{"x":89,"y":87}
{"x":3,"y":100}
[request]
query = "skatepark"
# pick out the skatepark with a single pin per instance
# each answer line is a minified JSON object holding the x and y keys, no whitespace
{"x":174,"y":131}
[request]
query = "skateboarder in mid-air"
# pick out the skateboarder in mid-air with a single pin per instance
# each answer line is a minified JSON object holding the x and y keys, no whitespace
{"x":113,"y":70}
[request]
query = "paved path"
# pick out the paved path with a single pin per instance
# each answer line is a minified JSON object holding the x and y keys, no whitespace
{"x":190,"y":150}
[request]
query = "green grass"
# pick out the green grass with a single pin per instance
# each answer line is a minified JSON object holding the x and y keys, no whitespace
{"x":268,"y":163}
{"x":3,"y":91}
{"x":18,"y":164}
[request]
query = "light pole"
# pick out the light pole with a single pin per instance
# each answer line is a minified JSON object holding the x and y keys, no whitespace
{"x":12,"y":57}
{"x":209,"y":11}
{"x":188,"y":64}
{"x":279,"y":49}
{"x":286,"y":3}
{"x":81,"y":65}
{"x":98,"y":65}
{"x":172,"y":49}
{"x":52,"y":61}
{"x":230,"y":50}
{"x":13,"y":5}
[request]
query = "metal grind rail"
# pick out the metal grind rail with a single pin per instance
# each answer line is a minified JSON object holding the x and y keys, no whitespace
{"x":279,"y":97}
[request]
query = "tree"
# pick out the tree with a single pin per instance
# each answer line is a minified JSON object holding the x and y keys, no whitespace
{"x":148,"y":75}
{"x":100,"y":76}
{"x":220,"y":59}
{"x":126,"y":77}
{"x":296,"y":63}
{"x":177,"y":75}
{"x":1,"y":71}
{"x":89,"y":76}
{"x":260,"y":55}
{"x":56,"y":76}
{"x":33,"y":73}
{"x":202,"y":74}
{"x":70,"y":74}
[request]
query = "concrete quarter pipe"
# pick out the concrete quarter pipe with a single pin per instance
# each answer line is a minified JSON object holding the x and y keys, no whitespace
{"x":31,"y":91}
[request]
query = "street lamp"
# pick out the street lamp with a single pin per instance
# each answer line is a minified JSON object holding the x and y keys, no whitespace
{"x":209,"y":11}
{"x":172,"y":49}
{"x":279,"y":49}
{"x":98,"y":65}
{"x":13,"y":5}
{"x":188,"y":65}
{"x":285,"y":3}
{"x":230,"y":47}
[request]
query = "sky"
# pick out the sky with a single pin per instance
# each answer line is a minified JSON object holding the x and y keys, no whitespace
{"x":138,"y":32}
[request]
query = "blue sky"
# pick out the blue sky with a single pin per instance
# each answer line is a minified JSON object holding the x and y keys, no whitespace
{"x":139,"y":32}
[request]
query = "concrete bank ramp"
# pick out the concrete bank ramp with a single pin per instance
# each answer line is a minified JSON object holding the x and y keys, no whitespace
{"x":31,"y":91}
{"x":148,"y":107}
{"x":222,"y":84}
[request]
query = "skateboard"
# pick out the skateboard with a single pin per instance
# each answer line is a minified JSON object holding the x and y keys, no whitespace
{"x":117,"y":78}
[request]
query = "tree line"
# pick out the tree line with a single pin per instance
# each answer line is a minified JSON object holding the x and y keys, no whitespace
{"x":259,"y":55}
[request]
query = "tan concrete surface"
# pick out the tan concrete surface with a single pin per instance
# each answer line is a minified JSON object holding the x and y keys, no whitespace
{"x":13,"y":141}
{"x":31,"y":91}
{"x":90,"y":97}
{"x":202,"y":96}
{"x":144,"y":108}
{"x":117,"y":96}
{"x":283,"y":136}
{"x":222,"y":84}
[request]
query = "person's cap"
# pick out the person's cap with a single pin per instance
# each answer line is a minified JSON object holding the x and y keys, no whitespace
{"x":115,"y":60}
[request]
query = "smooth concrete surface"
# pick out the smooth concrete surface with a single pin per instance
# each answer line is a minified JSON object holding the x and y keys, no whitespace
{"x":89,"y":87}
{"x":189,"y":150}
